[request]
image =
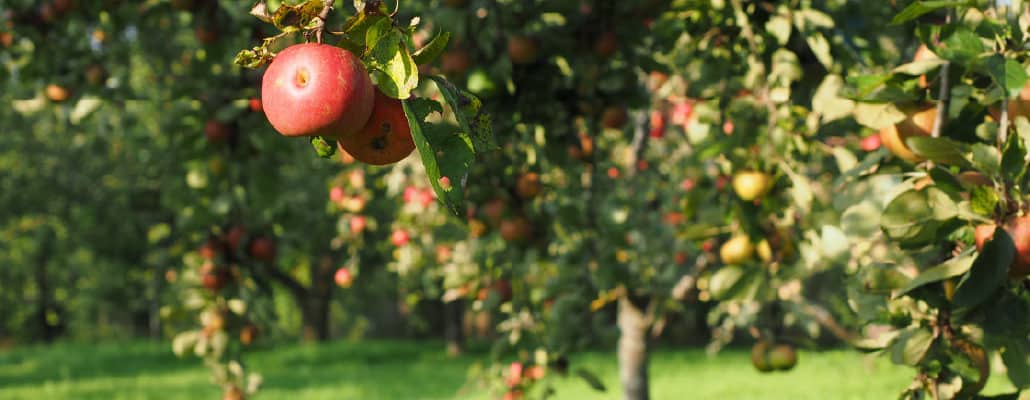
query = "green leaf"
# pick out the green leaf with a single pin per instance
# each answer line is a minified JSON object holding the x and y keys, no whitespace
{"x":919,"y":8}
{"x":878,"y":116}
{"x":325,"y":148}
{"x":1013,"y":159}
{"x":779,"y":26}
{"x":911,"y":346}
{"x":428,"y":53}
{"x":953,"y":267}
{"x":821,"y":48}
{"x":913,"y":217}
{"x":390,"y":57}
{"x":468,"y":110}
{"x":591,"y":379}
{"x":962,"y":46}
{"x":939,"y":150}
{"x":988,"y":272}
{"x":920,"y":67}
{"x":985,"y":158}
{"x":983,"y":200}
{"x":1007,"y":73}
{"x":724,"y":280}
{"x":445,"y":153}
{"x":1016,"y":357}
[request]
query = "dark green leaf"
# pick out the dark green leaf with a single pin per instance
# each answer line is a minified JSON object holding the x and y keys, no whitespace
{"x":445,"y":153}
{"x":988,"y":272}
{"x":591,"y":379}
{"x":469,"y":112}
{"x":1007,"y":73}
{"x":919,"y":8}
{"x":1017,"y":361}
{"x":428,"y":53}
{"x":1013,"y":160}
{"x":913,"y":217}
{"x":953,"y":267}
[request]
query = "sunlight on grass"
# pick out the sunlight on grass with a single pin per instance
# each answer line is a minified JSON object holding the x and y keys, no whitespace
{"x":420,"y":370}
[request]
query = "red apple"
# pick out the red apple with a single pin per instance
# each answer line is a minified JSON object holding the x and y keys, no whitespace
{"x":400,"y":237}
{"x":343,"y":277}
{"x":235,"y":237}
{"x":358,"y":224}
{"x":317,"y":90}
{"x":657,"y":124}
{"x":218,"y":132}
{"x":255,"y":105}
{"x":871,"y":143}
{"x":262,"y":249}
{"x":336,"y":194}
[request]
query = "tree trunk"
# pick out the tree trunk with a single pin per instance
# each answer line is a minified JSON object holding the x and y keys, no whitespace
{"x":633,"y":327}
{"x":316,"y":305}
{"x":453,"y":329}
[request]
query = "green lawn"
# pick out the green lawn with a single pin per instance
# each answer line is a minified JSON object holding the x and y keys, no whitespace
{"x":410,"y":370}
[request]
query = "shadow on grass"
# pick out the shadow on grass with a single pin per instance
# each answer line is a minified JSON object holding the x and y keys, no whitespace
{"x":38,"y":364}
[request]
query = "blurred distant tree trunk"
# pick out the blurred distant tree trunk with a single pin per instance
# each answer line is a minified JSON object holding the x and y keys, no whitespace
{"x":453,"y":315}
{"x":313,"y":301}
{"x":632,"y":351}
{"x":49,"y":330}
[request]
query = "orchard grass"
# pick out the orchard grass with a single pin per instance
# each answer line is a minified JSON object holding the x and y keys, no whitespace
{"x":421,"y":370}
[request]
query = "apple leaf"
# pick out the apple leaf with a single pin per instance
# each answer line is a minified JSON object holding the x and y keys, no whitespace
{"x":470,"y":115}
{"x":325,"y":148}
{"x":447,"y":155}
{"x":939,"y":150}
{"x":1017,"y":363}
{"x":919,"y":8}
{"x":389,"y":56}
{"x":911,"y":346}
{"x":988,"y":271}
{"x":1006,"y":73}
{"x":299,"y":16}
{"x":953,"y":267}
{"x":432,"y":50}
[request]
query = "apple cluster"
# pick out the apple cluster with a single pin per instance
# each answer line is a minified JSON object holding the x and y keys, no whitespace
{"x":318,"y":90}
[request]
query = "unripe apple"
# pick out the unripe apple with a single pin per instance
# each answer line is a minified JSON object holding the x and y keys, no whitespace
{"x":400,"y":237}
{"x":343,"y":277}
{"x":522,"y":49}
{"x":263,"y":249}
{"x":764,"y":251}
{"x":751,"y":185}
{"x":317,"y":90}
{"x":737,"y":250}
{"x":783,"y":357}
{"x":760,"y":356}
{"x":528,"y":185}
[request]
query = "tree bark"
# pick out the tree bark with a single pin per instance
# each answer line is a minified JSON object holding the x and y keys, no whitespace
{"x":633,"y":327}
{"x":316,"y":304}
{"x":454,"y":315}
{"x":44,"y":304}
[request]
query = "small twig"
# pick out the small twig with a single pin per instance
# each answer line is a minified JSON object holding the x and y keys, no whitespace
{"x":945,"y":94}
{"x":320,"y":24}
{"x":1003,"y":128}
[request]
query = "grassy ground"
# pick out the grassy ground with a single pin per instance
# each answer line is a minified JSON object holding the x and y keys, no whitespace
{"x":410,"y":370}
